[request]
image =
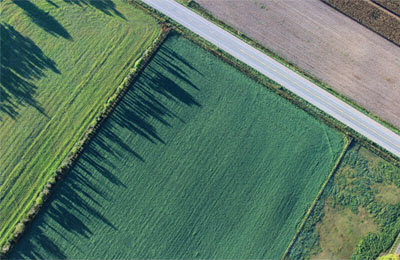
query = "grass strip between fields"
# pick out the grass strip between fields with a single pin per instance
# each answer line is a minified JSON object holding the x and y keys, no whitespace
{"x":194,"y":6}
{"x":83,"y":141}
{"x":317,"y":198}
{"x":262,"y":79}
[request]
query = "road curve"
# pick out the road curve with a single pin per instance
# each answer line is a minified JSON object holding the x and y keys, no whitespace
{"x":280,"y":74}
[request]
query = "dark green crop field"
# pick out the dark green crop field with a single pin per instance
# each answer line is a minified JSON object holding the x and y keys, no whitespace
{"x":197,"y":161}
{"x":60,"y":61}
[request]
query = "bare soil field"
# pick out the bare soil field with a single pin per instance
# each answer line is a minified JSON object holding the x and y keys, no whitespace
{"x":352,"y":59}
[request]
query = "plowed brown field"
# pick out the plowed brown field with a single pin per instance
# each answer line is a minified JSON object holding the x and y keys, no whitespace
{"x":353,"y":60}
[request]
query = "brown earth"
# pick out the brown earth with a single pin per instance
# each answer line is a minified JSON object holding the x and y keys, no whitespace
{"x":352,"y":59}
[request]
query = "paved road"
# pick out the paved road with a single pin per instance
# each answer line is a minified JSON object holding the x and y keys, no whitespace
{"x":281,"y":74}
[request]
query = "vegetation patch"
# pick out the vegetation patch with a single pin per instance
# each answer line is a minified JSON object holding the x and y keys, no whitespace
{"x":341,"y":230}
{"x":356,"y":207}
{"x":194,"y":162}
{"x":61,"y":61}
{"x":389,"y":194}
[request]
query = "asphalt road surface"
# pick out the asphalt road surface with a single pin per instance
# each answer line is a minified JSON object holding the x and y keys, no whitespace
{"x":280,"y":74}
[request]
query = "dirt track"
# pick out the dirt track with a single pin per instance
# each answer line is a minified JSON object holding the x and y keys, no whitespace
{"x":349,"y":57}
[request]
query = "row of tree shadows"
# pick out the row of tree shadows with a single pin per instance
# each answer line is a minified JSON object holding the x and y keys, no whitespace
{"x":71,"y":206}
{"x":22,"y":61}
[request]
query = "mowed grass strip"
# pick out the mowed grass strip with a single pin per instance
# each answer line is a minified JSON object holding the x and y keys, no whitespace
{"x":197,"y":161}
{"x":60,"y":62}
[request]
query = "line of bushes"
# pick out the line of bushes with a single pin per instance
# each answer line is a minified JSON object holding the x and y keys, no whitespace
{"x":267,"y":82}
{"x":371,"y":16}
{"x":391,"y":5}
{"x":317,"y":198}
{"x":194,"y":6}
{"x":87,"y":136}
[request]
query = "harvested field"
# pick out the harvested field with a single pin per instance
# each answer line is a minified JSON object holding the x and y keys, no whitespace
{"x":60,"y":62}
{"x":371,"y":15}
{"x":352,"y":59}
{"x":197,"y":161}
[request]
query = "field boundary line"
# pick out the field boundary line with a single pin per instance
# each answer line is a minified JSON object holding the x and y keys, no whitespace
{"x":75,"y":152}
{"x":318,"y":197}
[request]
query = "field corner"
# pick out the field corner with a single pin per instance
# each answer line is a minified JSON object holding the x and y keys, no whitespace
{"x":348,"y":141}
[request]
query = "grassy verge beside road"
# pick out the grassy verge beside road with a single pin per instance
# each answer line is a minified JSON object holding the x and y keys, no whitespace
{"x":61,"y":63}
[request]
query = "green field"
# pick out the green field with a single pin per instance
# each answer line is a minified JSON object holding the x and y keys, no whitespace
{"x":60,"y":62}
{"x":197,"y":161}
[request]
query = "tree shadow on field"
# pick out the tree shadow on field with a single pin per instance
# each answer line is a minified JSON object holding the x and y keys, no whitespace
{"x":106,"y":6}
{"x":43,"y":19}
{"x":76,"y":203}
{"x":21,"y":61}
{"x":52,"y":3}
{"x":80,"y":199}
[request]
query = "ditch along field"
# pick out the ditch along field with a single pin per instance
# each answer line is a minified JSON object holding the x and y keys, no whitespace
{"x":353,"y":60}
{"x":197,"y":161}
{"x":60,"y":62}
{"x":358,"y":216}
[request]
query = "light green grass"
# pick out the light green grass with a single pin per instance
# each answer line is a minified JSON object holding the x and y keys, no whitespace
{"x":197,"y":161}
{"x":60,"y":63}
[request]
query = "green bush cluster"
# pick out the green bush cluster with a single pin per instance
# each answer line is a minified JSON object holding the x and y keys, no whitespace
{"x":373,"y":244}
